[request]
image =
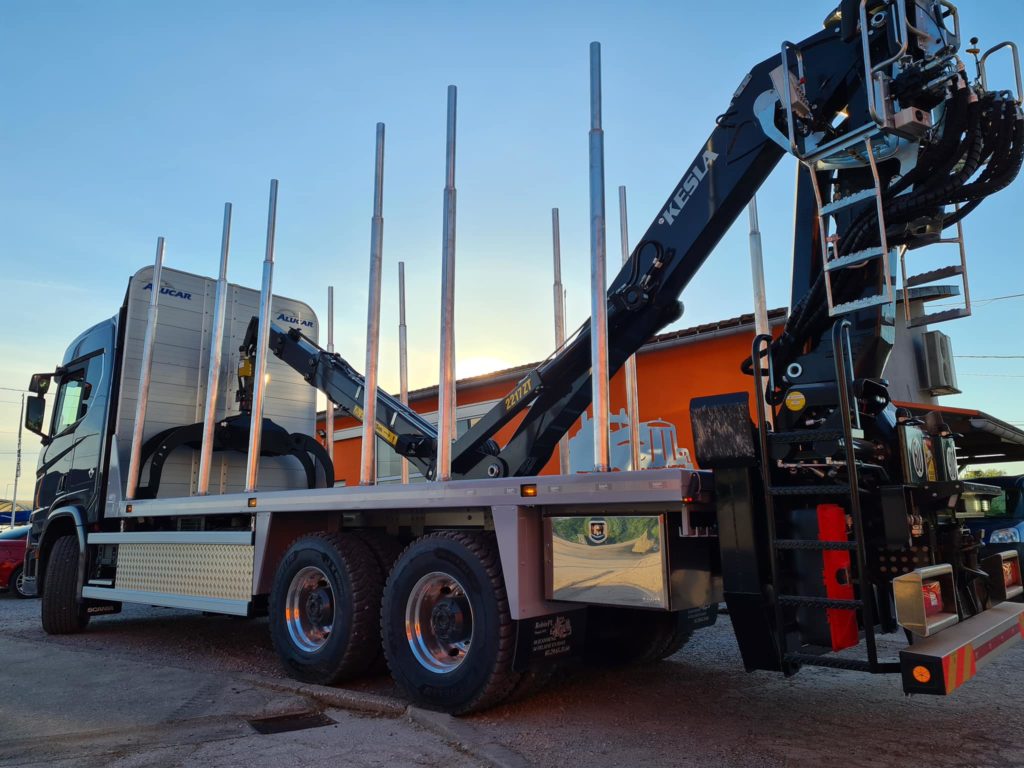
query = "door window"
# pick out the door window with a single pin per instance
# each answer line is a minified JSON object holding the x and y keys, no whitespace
{"x":69,"y":408}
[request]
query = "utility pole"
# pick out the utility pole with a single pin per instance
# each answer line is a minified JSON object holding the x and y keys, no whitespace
{"x":17,"y":461}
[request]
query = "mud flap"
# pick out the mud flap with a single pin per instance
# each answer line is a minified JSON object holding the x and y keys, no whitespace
{"x":547,"y":639}
{"x":698,"y":618}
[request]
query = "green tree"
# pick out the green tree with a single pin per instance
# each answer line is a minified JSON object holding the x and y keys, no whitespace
{"x":975,"y":474}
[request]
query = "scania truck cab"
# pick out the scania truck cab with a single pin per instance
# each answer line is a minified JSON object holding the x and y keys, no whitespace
{"x":71,"y":476}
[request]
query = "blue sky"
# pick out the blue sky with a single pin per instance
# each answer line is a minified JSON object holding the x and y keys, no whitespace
{"x":123,"y":121}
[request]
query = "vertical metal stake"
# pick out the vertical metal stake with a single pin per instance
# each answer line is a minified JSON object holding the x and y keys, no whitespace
{"x":559,"y":297}
{"x":213,"y":374}
{"x":598,"y":279}
{"x":329,"y":408}
{"x":368,"y":467}
{"x":757,"y":272}
{"x":145,"y":374}
{"x":403,"y":354}
{"x":262,"y":336}
{"x":632,"y":392}
{"x":446,"y":385}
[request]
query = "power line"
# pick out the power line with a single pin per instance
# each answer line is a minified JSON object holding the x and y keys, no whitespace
{"x":989,"y":357}
{"x":981,"y":302}
{"x":999,"y":298}
{"x":993,"y":376}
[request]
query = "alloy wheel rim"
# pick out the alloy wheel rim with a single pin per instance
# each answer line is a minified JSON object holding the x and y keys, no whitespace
{"x":439,"y":622}
{"x":310,"y":609}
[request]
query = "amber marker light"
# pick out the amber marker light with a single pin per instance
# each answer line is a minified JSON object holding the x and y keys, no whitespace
{"x":922,"y":674}
{"x":528,"y":490}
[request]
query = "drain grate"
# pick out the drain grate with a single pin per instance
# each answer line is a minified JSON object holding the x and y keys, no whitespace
{"x":286,"y":723}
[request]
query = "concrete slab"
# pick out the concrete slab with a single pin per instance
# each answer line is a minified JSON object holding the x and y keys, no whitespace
{"x":62,"y":706}
{"x":58,"y":691}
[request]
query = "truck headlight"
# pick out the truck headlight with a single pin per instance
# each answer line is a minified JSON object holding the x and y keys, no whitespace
{"x":1004,"y":536}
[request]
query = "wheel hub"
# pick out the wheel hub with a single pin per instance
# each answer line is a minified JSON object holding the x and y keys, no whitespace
{"x":319,"y":606}
{"x":448,"y":619}
{"x":309,"y":609}
{"x":439,"y":622}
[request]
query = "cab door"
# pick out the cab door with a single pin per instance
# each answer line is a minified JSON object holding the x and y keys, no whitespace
{"x":90,"y":415}
{"x":58,"y":454}
{"x":71,"y":465}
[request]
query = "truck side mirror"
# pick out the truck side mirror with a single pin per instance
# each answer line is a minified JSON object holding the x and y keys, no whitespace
{"x":35,"y":411}
{"x":40,"y":383}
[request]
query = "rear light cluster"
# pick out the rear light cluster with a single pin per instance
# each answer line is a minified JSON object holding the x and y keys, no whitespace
{"x":1004,"y":575}
{"x":925,"y":599}
{"x":1011,"y":573}
{"x":931,"y":591}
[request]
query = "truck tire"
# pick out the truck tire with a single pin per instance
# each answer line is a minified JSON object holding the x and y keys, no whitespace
{"x":386,"y":550}
{"x":62,"y":612}
{"x":448,"y":636}
{"x":631,"y":636}
{"x":323,"y":608}
{"x":16,"y":582}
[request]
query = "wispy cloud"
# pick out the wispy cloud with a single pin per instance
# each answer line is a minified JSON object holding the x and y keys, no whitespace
{"x":46,"y":285}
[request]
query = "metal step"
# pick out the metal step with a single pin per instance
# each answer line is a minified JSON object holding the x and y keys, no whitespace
{"x":809,"y":490}
{"x":939,"y":317}
{"x":805,"y":436}
{"x":843,"y":202}
{"x":835,"y":662}
{"x":820,"y":602}
{"x":815,"y":544}
{"x":934,"y":275}
{"x":858,"y":304}
{"x":852,"y":259}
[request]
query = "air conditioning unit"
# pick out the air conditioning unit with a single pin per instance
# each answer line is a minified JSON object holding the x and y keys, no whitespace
{"x":938,"y":373}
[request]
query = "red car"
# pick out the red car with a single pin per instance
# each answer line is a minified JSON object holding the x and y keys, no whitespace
{"x":12,"y":556}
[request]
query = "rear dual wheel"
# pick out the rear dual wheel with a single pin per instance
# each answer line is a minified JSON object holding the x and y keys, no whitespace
{"x":324,"y":608}
{"x":627,"y":636}
{"x":448,"y":635}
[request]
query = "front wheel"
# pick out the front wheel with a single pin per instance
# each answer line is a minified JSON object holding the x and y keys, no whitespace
{"x":448,"y":636}
{"x":62,"y":612}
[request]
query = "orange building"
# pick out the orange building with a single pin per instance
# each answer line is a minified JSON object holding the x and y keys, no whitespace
{"x":672,"y":368}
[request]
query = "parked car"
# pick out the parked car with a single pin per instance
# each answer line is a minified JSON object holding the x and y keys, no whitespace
{"x":12,"y":559}
{"x":1002,"y":526}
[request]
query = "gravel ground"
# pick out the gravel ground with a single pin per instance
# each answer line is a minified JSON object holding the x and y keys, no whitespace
{"x":697,"y":708}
